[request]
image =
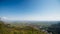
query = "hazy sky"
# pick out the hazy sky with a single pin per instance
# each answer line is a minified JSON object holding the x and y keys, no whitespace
{"x":30,"y":9}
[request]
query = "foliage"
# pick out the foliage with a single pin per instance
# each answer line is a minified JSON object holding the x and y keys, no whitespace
{"x":55,"y":28}
{"x":7,"y":29}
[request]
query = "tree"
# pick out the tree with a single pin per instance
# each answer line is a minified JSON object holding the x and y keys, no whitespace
{"x":55,"y":28}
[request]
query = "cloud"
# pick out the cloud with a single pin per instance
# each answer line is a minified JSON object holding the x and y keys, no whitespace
{"x":4,"y":18}
{"x":34,"y":18}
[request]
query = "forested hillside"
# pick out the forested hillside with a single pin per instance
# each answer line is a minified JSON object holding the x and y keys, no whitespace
{"x":54,"y":28}
{"x":8,"y":29}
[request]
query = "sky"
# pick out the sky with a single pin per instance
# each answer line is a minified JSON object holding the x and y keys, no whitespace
{"x":35,"y":10}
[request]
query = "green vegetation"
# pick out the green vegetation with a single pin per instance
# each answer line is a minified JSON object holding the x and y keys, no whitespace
{"x":8,"y":29}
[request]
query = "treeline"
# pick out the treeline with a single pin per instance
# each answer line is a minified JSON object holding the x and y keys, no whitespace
{"x":8,"y":29}
{"x":54,"y":28}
